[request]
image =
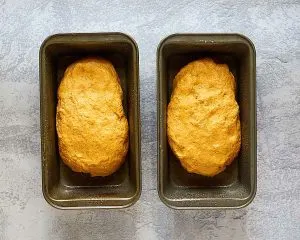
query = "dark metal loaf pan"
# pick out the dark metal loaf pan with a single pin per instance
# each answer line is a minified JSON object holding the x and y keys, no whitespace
{"x":236,"y":186}
{"x":62,"y":187}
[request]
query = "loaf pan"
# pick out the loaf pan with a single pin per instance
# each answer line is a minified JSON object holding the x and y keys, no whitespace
{"x":63,"y":188}
{"x":236,"y":186}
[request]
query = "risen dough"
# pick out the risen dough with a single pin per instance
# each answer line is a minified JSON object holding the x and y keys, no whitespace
{"x":203,"y":123}
{"x":91,"y":125}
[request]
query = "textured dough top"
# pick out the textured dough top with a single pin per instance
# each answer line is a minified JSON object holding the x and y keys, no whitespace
{"x":203,"y":123}
{"x":90,"y":121}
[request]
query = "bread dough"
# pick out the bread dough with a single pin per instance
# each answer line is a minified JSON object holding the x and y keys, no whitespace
{"x":91,"y":125}
{"x":203,"y":123}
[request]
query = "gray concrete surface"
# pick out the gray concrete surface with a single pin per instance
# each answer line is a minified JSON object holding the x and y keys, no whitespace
{"x":274,"y":28}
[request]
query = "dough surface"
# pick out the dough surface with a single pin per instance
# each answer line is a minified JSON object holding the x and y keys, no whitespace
{"x":90,"y":121}
{"x":203,"y":123}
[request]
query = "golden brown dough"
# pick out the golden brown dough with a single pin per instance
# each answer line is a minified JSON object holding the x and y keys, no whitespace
{"x":91,"y":125}
{"x":203,"y":123}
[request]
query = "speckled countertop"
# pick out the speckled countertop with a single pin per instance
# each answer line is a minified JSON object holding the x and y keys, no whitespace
{"x":273,"y":26}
